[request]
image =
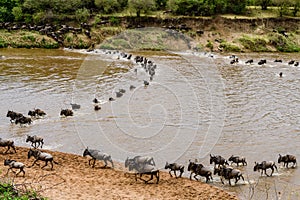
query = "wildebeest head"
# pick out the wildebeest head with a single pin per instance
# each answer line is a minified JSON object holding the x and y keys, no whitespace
{"x":257,"y":166}
{"x":30,"y":153}
{"x":86,"y":152}
{"x":167,"y":165}
{"x":231,"y":158}
{"x":29,"y":138}
{"x":280,"y":159}
{"x":191,"y":166}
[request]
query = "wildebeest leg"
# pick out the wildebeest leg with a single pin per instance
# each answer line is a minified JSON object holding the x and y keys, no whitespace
{"x":21,"y":170}
{"x":105,"y":163}
{"x":46,"y":163}
{"x":191,"y":175}
{"x":157,"y":177}
{"x":94,"y":162}
{"x":242,"y":177}
{"x":175,"y":173}
{"x":8,"y":147}
{"x":170,"y":173}
{"x":51,"y":164}
{"x":222,"y":180}
{"x":42,"y":144}
{"x":196,"y":177}
{"x":181,"y":172}
{"x":34,"y":163}
{"x":207,"y":179}
{"x":151,"y":177}
{"x":229,"y":181}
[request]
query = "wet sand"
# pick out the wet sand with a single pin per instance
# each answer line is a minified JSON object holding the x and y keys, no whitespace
{"x":73,"y":178}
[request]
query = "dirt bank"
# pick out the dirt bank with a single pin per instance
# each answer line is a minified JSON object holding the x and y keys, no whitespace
{"x":74,"y":179}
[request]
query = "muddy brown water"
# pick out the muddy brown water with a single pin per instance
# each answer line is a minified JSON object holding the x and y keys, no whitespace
{"x":197,"y":104}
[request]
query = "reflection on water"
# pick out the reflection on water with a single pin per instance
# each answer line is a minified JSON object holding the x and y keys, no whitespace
{"x":196,"y":105}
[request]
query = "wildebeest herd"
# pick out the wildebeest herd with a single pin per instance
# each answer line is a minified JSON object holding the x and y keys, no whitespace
{"x":142,"y":165}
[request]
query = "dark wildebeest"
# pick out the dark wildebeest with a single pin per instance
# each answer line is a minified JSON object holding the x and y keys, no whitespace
{"x":35,"y":141}
{"x":218,"y":160}
{"x":23,"y":120}
{"x":38,"y":155}
{"x":66,"y":112}
{"x":140,"y":160}
{"x":144,"y":169}
{"x":249,"y":61}
{"x":97,"y":155}
{"x":263,"y":61}
{"x":263,"y":166}
{"x":95,"y":100}
{"x":97,"y":107}
{"x":174,"y":167}
{"x":14,"y":165}
{"x":7,"y":143}
{"x":287,"y":159}
{"x":229,"y":173}
{"x":36,"y":113}
{"x":13,"y":115}
{"x":237,"y":160}
{"x":75,"y":106}
{"x":199,"y":169}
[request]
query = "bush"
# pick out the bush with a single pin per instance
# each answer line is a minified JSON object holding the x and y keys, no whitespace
{"x":255,"y":44}
{"x":8,"y":191}
{"x":82,"y":15}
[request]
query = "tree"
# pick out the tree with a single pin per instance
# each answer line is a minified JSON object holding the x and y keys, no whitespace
{"x":264,"y":4}
{"x":141,"y":6}
{"x":18,"y":14}
{"x":296,"y":7}
{"x":82,"y":15}
{"x":107,"y":6}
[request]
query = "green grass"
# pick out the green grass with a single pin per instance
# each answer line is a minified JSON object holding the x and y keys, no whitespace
{"x":9,"y":192}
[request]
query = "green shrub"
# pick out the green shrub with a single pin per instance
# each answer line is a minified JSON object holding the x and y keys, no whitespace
{"x":255,"y":44}
{"x":229,"y":47}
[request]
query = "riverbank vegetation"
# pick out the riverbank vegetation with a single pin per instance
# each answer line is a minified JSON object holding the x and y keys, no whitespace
{"x":246,"y":25}
{"x":9,"y":191}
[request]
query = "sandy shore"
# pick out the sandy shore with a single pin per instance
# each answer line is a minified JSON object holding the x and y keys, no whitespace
{"x":73,"y":178}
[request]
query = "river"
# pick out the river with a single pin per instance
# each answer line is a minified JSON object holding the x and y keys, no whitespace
{"x":197,"y":104}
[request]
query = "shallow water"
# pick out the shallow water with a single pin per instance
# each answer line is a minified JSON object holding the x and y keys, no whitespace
{"x":197,"y":104}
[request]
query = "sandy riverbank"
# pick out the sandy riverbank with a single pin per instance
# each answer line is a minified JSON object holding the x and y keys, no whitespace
{"x":74,"y":179}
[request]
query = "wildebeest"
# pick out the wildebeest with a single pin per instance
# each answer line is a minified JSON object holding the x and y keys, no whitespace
{"x":35,"y":141}
{"x":144,"y":169}
{"x":218,"y":160}
{"x":95,"y":100}
{"x":199,"y":169}
{"x":132,"y":87}
{"x":174,"y":167}
{"x":39,"y":155}
{"x":36,"y":113}
{"x":7,"y":143}
{"x":287,"y":159}
{"x":66,"y":112}
{"x":97,"y":107}
{"x":263,"y":166}
{"x":237,"y":160}
{"x":13,"y":115}
{"x":14,"y":165}
{"x":23,"y":120}
{"x":75,"y":106}
{"x":278,"y":60}
{"x":97,"y":155}
{"x":229,"y":173}
{"x":119,"y":94}
{"x":261,"y":62}
{"x":249,"y":61}
{"x":146,"y":83}
{"x":140,"y":160}
{"x":291,"y":62}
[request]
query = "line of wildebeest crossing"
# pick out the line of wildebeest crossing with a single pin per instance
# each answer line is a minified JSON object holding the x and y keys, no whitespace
{"x":140,"y":165}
